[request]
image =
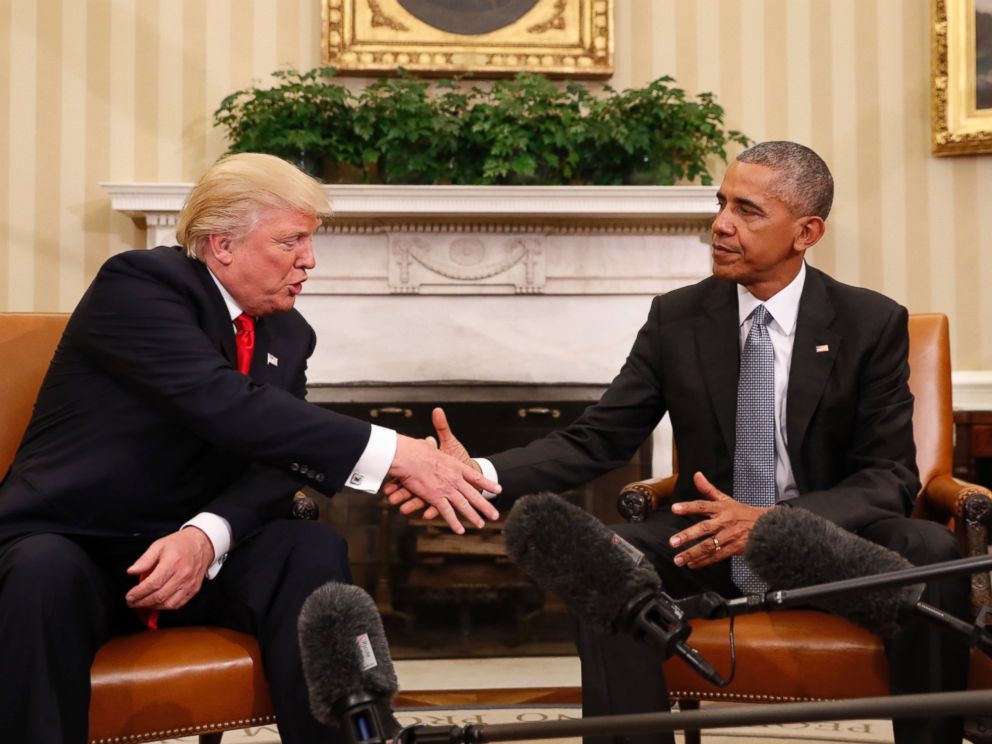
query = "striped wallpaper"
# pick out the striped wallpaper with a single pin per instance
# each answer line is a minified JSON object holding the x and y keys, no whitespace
{"x":123,"y":90}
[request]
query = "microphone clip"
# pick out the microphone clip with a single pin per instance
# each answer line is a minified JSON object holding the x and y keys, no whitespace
{"x":655,"y":617}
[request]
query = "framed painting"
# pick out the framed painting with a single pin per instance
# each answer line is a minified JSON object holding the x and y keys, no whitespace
{"x":961,"y":77}
{"x":564,"y":38}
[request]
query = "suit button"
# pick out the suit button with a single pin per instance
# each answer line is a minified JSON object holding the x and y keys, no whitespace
{"x":304,"y":470}
{"x":294,"y":466}
{"x":319,"y":477}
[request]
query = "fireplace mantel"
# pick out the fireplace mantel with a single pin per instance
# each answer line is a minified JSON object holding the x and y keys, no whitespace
{"x":156,"y":205}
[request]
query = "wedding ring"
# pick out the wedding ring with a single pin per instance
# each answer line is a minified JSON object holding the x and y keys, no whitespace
{"x":716,"y":544}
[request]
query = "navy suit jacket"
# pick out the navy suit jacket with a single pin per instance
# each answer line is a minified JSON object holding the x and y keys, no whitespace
{"x":143,"y":420}
{"x":849,"y":409}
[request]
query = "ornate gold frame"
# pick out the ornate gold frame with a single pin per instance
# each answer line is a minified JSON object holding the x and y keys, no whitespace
{"x":958,"y":127}
{"x":571,"y":38}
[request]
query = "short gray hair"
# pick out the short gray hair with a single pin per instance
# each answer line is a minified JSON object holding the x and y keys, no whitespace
{"x":805,"y":184}
{"x":232,"y":191}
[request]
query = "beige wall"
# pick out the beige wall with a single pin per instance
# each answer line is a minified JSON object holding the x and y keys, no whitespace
{"x":123,"y":90}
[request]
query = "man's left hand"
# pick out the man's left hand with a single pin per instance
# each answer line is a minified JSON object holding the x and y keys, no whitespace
{"x":174,"y":567}
{"x":721,"y":534}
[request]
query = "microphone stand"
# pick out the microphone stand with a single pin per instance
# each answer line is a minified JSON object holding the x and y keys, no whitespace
{"x":710,"y":605}
{"x":974,"y":702}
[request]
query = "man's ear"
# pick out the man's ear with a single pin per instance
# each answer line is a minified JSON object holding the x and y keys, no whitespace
{"x":811,"y":229}
{"x":218,"y":248}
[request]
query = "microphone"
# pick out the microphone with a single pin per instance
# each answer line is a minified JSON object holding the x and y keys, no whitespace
{"x":789,"y":548}
{"x":809,"y":561}
{"x":346,"y":663}
{"x":602,"y":579}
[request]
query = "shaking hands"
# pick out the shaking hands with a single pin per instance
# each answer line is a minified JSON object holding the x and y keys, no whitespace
{"x":445,"y":481}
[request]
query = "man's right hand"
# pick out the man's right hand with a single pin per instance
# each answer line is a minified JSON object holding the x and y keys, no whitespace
{"x":450,"y":445}
{"x":451,"y":486}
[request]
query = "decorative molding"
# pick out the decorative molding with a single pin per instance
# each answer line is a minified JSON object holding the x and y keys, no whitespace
{"x":466,"y":264}
{"x":972,"y":390}
{"x":358,"y":202}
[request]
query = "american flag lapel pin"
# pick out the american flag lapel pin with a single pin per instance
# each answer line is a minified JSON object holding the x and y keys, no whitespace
{"x":272,"y":360}
{"x":822,"y":348}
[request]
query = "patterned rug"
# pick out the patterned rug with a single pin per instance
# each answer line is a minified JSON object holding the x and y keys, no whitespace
{"x":848,"y":732}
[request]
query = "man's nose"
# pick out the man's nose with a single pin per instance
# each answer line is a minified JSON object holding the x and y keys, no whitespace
{"x":306,"y":259}
{"x":722,"y":225}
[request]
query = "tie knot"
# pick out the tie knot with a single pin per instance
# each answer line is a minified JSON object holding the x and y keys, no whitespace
{"x":244,"y":323}
{"x":760,"y":316}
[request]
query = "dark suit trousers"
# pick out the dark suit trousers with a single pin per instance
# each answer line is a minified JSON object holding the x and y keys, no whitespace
{"x":60,"y":599}
{"x":620,"y":675}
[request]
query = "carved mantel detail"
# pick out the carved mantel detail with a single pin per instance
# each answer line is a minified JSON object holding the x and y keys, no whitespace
{"x":499,"y":264}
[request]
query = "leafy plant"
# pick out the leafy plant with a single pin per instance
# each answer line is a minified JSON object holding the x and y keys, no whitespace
{"x":304,"y":118}
{"x":654,"y":134}
{"x":527,"y":130}
{"x":405,"y":131}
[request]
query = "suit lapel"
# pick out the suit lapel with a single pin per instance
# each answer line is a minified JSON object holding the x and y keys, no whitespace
{"x":216,"y":318}
{"x":813,"y":355}
{"x":718,"y":341}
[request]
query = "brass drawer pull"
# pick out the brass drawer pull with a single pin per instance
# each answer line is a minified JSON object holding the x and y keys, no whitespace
{"x":537,"y":411}
{"x":390,"y":411}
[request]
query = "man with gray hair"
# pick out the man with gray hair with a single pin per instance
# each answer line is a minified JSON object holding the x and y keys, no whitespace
{"x":166,"y":444}
{"x":785,"y":389}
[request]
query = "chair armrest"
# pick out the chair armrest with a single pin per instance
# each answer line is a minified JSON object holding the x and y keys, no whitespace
{"x":304,"y":507}
{"x":640,"y":498}
{"x":970,"y":507}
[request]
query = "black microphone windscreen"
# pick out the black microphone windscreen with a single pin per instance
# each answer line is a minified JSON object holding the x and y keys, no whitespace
{"x":572,"y":554}
{"x":790,"y":548}
{"x":344,"y":649}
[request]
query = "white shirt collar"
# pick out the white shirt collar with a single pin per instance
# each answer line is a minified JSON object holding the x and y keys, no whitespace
{"x":232,"y":306}
{"x":783,"y":305}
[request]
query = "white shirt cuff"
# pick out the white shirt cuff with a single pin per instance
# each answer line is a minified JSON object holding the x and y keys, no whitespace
{"x":371,"y":469}
{"x":218,"y":531}
{"x":489,"y":473}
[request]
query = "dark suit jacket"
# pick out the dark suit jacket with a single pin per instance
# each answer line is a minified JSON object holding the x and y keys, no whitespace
{"x":143,"y":419}
{"x":849,"y":409}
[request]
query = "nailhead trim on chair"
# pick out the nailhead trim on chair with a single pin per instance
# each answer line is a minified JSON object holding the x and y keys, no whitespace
{"x":736,"y":697}
{"x":187,"y":731}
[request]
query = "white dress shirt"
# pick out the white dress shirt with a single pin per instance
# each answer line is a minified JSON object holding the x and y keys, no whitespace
{"x":368,"y":474}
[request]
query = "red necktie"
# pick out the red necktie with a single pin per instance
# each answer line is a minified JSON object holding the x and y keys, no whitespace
{"x":245,"y":340}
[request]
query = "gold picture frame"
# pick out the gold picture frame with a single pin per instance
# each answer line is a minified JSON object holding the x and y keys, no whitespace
{"x":562,"y":38}
{"x":960,"y":125}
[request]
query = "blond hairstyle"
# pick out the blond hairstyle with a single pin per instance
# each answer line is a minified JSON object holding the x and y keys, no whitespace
{"x":228,"y":197}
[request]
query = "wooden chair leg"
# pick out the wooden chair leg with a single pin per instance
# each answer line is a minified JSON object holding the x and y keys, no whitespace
{"x":211,"y":738}
{"x":691,"y":737}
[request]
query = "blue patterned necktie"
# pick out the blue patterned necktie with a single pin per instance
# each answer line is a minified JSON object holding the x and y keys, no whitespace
{"x":754,"y":455}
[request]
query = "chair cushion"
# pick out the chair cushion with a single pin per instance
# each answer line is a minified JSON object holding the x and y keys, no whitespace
{"x":835,"y":660}
{"x":213,"y":677}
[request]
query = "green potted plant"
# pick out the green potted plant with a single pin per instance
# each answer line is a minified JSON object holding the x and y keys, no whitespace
{"x":653,"y":135}
{"x":304,"y":118}
{"x":527,"y":130}
{"x":404,"y":130}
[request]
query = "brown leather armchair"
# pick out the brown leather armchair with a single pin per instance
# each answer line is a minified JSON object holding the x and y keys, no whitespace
{"x":804,"y":655}
{"x":153,"y":685}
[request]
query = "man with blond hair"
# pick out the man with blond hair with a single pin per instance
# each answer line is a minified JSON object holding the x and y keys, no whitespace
{"x":168,"y":439}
